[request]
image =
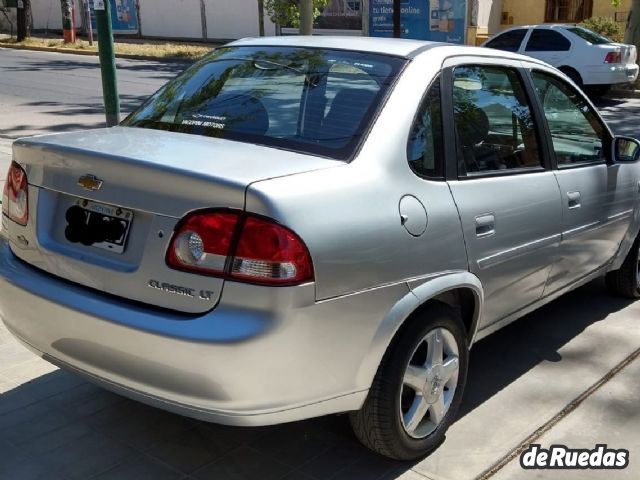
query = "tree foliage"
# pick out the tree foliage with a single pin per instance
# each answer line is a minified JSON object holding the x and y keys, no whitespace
{"x":606,"y":26}
{"x":287,"y":12}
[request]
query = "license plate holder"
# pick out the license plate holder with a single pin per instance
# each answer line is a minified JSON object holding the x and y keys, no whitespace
{"x":98,"y":225}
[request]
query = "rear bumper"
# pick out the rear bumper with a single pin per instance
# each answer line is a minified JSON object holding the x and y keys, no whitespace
{"x":248,"y":362}
{"x":609,"y":74}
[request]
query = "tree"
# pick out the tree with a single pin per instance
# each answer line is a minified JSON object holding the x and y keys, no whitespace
{"x":68,"y":28}
{"x":306,"y":17}
{"x":287,"y":12}
{"x":632,"y":34}
{"x":24,"y":20}
{"x":261,"y":17}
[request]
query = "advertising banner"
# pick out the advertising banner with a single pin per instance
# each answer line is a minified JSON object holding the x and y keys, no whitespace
{"x":124,"y":16}
{"x":436,"y":20}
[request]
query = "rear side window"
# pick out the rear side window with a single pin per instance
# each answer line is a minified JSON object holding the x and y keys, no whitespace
{"x":509,"y":41}
{"x":314,"y":101}
{"x":592,"y":37}
{"x":545,"y":40}
{"x":495,"y":128}
{"x":425,"y":149}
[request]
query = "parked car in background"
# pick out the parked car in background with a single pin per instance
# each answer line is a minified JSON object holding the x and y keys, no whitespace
{"x":302,"y":226}
{"x":591,"y":60}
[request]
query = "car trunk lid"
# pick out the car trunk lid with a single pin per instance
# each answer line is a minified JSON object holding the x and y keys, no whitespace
{"x":149,"y":179}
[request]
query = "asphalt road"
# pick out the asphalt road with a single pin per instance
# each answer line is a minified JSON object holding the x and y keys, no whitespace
{"x":43,"y":92}
{"x":567,"y":373}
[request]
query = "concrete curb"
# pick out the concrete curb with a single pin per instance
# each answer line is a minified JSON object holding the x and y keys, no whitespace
{"x":89,"y":53}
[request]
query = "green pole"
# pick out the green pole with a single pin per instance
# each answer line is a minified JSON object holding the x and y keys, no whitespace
{"x":107,"y":61}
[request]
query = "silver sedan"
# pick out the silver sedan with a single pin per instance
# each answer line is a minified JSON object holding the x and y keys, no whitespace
{"x":296,"y":227}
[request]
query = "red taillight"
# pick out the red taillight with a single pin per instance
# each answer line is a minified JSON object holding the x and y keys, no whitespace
{"x":15,"y":197}
{"x":203,"y":243}
{"x":270,"y":253}
{"x":241,"y":247}
{"x":613,"y":57}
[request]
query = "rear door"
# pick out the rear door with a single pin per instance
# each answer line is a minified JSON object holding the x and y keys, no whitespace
{"x":598,"y":197}
{"x":548,"y":45}
{"x":507,"y":197}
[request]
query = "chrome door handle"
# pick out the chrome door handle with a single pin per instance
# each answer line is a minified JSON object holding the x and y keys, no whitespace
{"x":485,"y":225}
{"x":574,"y":200}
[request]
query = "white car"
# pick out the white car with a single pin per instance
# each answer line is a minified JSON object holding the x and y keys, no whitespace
{"x":589,"y":59}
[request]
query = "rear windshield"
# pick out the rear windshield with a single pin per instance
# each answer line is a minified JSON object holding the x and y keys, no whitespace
{"x":307,"y":100}
{"x":590,"y":36}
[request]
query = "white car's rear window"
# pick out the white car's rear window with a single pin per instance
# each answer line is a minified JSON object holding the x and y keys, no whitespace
{"x":309,"y":100}
{"x":590,"y":36}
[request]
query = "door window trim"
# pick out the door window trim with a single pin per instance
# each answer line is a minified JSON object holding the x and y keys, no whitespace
{"x":443,"y":152}
{"x":451,"y":147}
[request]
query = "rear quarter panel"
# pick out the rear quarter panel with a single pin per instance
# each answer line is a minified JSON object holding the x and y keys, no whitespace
{"x":349,"y":215}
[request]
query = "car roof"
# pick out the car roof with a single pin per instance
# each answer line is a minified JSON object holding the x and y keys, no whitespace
{"x":541,"y":25}
{"x":388,"y":46}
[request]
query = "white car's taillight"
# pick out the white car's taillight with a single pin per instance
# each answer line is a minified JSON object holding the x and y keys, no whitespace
{"x":613,"y":57}
{"x":15,"y":196}
{"x":240,"y":247}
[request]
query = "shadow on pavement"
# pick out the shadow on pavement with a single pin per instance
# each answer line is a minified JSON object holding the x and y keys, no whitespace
{"x":501,"y":358}
{"x":58,"y":426}
{"x":87,"y":115}
{"x":620,"y":113}
{"x":168,"y":68}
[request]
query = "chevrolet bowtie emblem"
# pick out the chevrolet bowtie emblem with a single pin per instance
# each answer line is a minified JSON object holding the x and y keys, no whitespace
{"x":90,"y":182}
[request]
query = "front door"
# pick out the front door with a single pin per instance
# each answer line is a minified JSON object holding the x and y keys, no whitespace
{"x":598,"y":198}
{"x":507,"y":197}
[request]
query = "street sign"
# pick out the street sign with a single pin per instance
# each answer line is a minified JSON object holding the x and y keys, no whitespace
{"x":124,"y":15}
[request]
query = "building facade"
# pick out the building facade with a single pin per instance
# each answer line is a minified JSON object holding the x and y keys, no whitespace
{"x":460,"y":21}
{"x":497,"y":15}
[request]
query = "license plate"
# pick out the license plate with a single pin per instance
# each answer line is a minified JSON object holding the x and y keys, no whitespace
{"x":98,"y":225}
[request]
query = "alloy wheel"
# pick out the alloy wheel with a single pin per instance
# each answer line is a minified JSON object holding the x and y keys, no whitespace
{"x":429,"y":383}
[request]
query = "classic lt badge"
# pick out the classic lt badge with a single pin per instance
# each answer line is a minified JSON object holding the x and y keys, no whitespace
{"x":90,"y":183}
{"x":180,"y":290}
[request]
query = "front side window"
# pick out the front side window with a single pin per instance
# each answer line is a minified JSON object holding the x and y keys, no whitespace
{"x":509,"y":41}
{"x":425,"y":149}
{"x":495,"y":128}
{"x":578,"y":135}
{"x":315,"y":101}
{"x":545,"y":40}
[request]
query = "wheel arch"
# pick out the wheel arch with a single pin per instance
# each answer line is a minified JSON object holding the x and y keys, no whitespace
{"x":460,"y":289}
{"x":566,"y":68}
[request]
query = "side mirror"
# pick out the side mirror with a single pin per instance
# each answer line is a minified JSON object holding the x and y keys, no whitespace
{"x":626,"y":150}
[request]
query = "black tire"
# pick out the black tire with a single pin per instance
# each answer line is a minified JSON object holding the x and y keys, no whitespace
{"x":378,"y":425}
{"x":625,"y":282}
{"x":598,"y":91}
{"x":573,"y":75}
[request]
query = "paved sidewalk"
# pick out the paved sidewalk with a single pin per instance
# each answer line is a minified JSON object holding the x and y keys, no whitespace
{"x":610,"y":416}
{"x":54,"y":425}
